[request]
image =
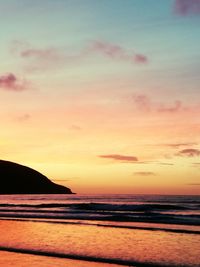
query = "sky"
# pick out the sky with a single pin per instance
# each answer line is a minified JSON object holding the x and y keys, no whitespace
{"x":103,"y":96}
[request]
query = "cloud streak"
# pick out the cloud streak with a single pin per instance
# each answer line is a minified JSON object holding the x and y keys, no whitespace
{"x":75,"y":127}
{"x":166,"y":163}
{"x":118,"y":157}
{"x":189,"y":152}
{"x":47,"y":54}
{"x":144,"y":103}
{"x":145,"y":173}
{"x":116,"y":52}
{"x":175,"y":107}
{"x":23,"y":118}
{"x":177,"y":145}
{"x":187,"y":7}
{"x":48,"y":57}
{"x":197,"y":164}
{"x":9,"y":82}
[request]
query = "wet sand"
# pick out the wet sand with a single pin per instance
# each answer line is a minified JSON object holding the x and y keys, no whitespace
{"x":87,"y":245}
{"x":10,"y":259}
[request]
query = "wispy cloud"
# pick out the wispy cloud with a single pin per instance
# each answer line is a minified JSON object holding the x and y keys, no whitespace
{"x":196,"y":165}
{"x":166,"y":163}
{"x":75,"y":127}
{"x":54,"y":57}
{"x":187,"y":7}
{"x":10,"y":82}
{"x":141,"y":59}
{"x":189,"y":152}
{"x":116,"y":52}
{"x":23,"y":118}
{"x":177,"y":145}
{"x":175,"y":107}
{"x":119,"y":157}
{"x":194,"y":184}
{"x":144,"y":103}
{"x":145,"y":173}
{"x":45,"y":58}
{"x":65,"y":180}
{"x":47,"y":54}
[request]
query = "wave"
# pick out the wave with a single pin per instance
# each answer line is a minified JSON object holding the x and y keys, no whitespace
{"x":96,"y":224}
{"x":149,"y":217}
{"x":87,"y":258}
{"x":183,"y":211}
{"x":101,"y":206}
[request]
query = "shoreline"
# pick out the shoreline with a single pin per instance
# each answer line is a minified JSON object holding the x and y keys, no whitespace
{"x":151,"y":226}
{"x":98,"y":244}
{"x":86,"y":259}
{"x":20,"y":259}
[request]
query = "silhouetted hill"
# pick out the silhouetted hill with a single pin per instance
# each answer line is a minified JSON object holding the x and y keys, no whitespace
{"x":19,"y":179}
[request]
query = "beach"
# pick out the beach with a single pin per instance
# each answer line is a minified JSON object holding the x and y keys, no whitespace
{"x":9,"y":259}
{"x":99,"y":230}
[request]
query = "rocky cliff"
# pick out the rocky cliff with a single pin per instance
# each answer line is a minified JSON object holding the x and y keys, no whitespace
{"x":19,"y":179}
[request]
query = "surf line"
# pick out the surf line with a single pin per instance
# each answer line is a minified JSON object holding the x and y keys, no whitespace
{"x":85,"y":258}
{"x":183,"y":231}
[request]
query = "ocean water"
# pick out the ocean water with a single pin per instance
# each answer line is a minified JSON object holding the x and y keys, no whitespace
{"x":128,"y":230}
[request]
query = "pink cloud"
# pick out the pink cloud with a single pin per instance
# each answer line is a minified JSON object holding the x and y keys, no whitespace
{"x":144,"y":103}
{"x":48,"y":57}
{"x":139,"y":58}
{"x":186,"y":7}
{"x":116,"y":52}
{"x":47,"y":54}
{"x":43,"y":59}
{"x":110,"y":50}
{"x":37,"y":58}
{"x":10,"y":82}
{"x":119,"y":157}
{"x":190,"y":152}
{"x":26,"y":50}
{"x":175,"y":107}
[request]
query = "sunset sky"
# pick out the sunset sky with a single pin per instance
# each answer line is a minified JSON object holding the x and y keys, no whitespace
{"x":103,"y":96}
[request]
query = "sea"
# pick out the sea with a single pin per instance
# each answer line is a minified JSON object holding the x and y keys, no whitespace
{"x":102,"y":230}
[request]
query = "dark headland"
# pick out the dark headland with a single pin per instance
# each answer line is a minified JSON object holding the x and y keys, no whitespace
{"x":19,"y":179}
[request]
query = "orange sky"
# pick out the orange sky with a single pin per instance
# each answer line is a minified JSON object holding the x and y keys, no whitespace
{"x":110,"y":106}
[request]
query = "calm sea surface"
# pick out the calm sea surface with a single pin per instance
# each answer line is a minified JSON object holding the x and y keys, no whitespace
{"x":131,"y":230}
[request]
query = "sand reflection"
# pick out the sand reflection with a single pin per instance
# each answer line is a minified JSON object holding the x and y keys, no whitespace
{"x":100,"y":242}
